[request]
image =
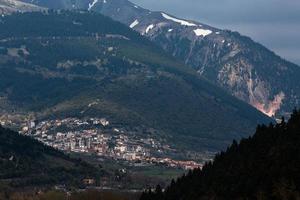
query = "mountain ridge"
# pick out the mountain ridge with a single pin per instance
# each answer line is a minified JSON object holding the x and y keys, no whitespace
{"x":234,"y":62}
{"x":228,"y":59}
{"x":11,"y":6}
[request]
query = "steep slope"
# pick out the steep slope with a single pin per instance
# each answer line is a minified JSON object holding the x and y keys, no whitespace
{"x":11,"y":6}
{"x":265,"y":166}
{"x":26,"y":162}
{"x":57,"y":64}
{"x":244,"y":68}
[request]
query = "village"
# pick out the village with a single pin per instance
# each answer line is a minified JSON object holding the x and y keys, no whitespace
{"x":96,"y":136}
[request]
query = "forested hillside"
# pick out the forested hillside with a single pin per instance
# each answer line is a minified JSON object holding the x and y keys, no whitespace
{"x":265,"y":166}
{"x":25,"y":162}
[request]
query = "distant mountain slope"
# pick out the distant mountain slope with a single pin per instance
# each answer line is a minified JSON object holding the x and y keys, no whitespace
{"x":265,"y":166}
{"x":57,"y":64}
{"x":26,"y":162}
{"x":11,"y":6}
{"x":246,"y":69}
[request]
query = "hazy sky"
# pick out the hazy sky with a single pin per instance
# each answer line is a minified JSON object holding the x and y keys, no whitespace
{"x":274,"y":23}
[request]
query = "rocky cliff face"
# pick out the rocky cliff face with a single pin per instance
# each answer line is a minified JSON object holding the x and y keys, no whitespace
{"x":10,"y":6}
{"x":243,"y":67}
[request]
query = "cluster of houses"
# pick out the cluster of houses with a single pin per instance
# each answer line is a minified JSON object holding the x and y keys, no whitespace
{"x":98,"y":137}
{"x":88,"y":136}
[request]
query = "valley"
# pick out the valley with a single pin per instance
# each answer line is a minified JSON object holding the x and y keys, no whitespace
{"x":107,"y":100}
{"x":103,"y":93}
{"x":91,"y":72}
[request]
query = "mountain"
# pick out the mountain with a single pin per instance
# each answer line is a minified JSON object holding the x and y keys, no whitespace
{"x":26,"y":162}
{"x":265,"y":166}
{"x":243,"y":67}
{"x":11,"y":6}
{"x":236,"y":63}
{"x":82,"y":64}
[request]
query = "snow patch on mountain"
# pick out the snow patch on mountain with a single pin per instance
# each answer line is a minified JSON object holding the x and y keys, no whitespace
{"x":151,"y":26}
{"x":202,"y":32}
{"x":180,"y":21}
{"x":91,"y":5}
{"x":133,"y":24}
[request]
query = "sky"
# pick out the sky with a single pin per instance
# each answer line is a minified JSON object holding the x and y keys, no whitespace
{"x":273,"y":23}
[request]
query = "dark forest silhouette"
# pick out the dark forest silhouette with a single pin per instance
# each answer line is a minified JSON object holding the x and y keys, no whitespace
{"x":264,"y":166}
